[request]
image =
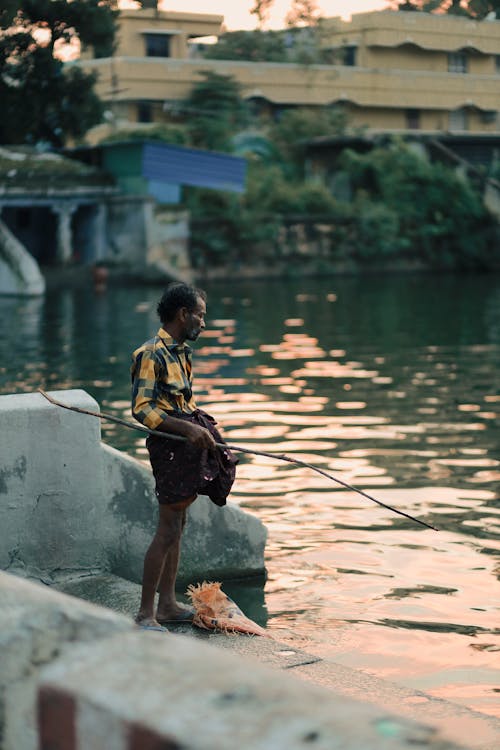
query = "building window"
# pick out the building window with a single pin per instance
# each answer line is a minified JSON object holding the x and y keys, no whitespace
{"x":157,"y":45}
{"x":413,"y":119}
{"x":144,"y":112}
{"x":349,"y":55}
{"x":458,"y":120}
{"x":457,"y":62}
{"x":489,"y":117}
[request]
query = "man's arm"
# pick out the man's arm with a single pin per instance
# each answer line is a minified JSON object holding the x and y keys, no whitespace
{"x":196,"y":434}
{"x":145,"y":374}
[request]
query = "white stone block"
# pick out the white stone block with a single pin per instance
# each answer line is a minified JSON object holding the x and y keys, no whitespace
{"x":37,"y":624}
{"x":72,"y":505}
{"x":187,"y":694}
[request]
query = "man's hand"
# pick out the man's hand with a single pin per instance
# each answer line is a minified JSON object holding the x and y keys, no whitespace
{"x":200,"y":437}
{"x":197,"y":435}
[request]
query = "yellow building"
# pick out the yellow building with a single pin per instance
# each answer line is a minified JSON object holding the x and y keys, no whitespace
{"x":421,"y":70}
{"x":393,"y":71}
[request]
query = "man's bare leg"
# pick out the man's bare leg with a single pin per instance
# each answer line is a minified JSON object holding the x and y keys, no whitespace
{"x":168,"y":607}
{"x":161,"y":560}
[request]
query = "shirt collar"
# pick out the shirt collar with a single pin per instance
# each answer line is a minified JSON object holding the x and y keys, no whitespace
{"x":170,"y":343}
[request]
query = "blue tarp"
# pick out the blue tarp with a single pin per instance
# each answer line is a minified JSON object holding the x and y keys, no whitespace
{"x":189,"y":166}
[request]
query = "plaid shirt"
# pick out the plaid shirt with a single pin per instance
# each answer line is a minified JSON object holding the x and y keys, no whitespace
{"x":161,"y":380}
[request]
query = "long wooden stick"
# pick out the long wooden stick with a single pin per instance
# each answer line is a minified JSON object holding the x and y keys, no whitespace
{"x":237,"y":449}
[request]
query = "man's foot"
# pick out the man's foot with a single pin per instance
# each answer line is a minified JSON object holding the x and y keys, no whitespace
{"x":176,"y":615}
{"x":149,"y":623}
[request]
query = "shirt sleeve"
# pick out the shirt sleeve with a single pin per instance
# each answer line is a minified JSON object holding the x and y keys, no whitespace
{"x":146,"y":370}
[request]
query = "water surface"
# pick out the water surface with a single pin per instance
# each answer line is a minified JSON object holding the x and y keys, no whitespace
{"x":391,"y":384}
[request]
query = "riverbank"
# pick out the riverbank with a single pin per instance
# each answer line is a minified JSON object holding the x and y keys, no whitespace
{"x":76,"y":675}
{"x":77,"y":277}
{"x":475,"y":730}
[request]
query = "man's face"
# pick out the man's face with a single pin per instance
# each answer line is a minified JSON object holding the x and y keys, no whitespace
{"x":195,"y":321}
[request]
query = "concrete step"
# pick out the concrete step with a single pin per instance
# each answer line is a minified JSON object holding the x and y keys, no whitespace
{"x":472,"y":729}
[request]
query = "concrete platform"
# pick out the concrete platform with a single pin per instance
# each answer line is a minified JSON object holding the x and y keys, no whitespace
{"x":77,"y":676}
{"x":72,"y":505}
{"x":458,"y":724}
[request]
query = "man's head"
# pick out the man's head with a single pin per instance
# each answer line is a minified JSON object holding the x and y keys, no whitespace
{"x":182,"y":311}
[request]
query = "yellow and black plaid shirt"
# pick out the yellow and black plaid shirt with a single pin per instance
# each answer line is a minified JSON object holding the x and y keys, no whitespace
{"x":161,"y":380}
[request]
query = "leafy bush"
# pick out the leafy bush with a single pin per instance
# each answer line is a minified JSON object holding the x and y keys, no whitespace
{"x":254,"y":46}
{"x":215,"y":111}
{"x":303,"y":46}
{"x":296,"y":126}
{"x":399,"y":205}
{"x":375,"y":231}
{"x":441,"y":217}
{"x":174,"y":134}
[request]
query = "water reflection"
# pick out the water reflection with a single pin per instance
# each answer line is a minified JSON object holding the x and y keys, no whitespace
{"x":390,"y":384}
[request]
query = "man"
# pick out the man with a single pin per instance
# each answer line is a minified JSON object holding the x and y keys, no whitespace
{"x":162,"y":399}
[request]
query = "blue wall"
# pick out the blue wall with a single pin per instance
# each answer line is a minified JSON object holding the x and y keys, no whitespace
{"x":188,"y":166}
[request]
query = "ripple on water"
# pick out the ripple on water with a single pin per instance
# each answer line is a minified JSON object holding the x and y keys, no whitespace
{"x":391,"y":386}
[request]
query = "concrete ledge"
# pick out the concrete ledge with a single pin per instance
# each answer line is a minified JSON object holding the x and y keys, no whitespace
{"x":72,"y":505}
{"x":186,"y":694}
{"x":217,"y":542}
{"x":51,"y":486}
{"x":455,"y":722}
{"x":38,"y":624}
{"x":97,"y":683}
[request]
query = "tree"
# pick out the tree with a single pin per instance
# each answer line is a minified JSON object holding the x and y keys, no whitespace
{"x":296,"y":44}
{"x":484,"y":8}
{"x":255,"y":46}
{"x":214,"y":111}
{"x":472,"y":8}
{"x":44,"y":100}
{"x":303,"y":13}
{"x":300,"y":124}
{"x":393,"y":186}
{"x":8,"y":12}
{"x":261,"y":10}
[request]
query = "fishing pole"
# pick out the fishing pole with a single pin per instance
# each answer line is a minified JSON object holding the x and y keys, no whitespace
{"x":236,"y":449}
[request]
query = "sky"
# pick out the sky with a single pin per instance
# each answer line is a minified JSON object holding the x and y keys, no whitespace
{"x":237,"y":12}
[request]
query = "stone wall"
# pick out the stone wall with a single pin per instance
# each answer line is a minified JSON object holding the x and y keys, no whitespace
{"x":127,"y":230}
{"x":133,"y":235}
{"x":168,"y":244}
{"x":74,"y":506}
{"x":147,"y":239}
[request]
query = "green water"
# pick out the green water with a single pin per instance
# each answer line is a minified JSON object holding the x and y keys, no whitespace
{"x":390,"y":383}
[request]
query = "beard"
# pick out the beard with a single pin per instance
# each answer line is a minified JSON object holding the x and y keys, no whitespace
{"x":193,"y":333}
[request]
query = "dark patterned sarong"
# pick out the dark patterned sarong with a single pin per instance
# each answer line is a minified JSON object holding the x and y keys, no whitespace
{"x":181,"y":470}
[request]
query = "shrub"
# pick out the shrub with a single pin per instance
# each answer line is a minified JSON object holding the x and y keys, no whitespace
{"x":441,"y":217}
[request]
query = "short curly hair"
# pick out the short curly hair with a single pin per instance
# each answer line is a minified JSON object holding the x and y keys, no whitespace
{"x":178,"y":295}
